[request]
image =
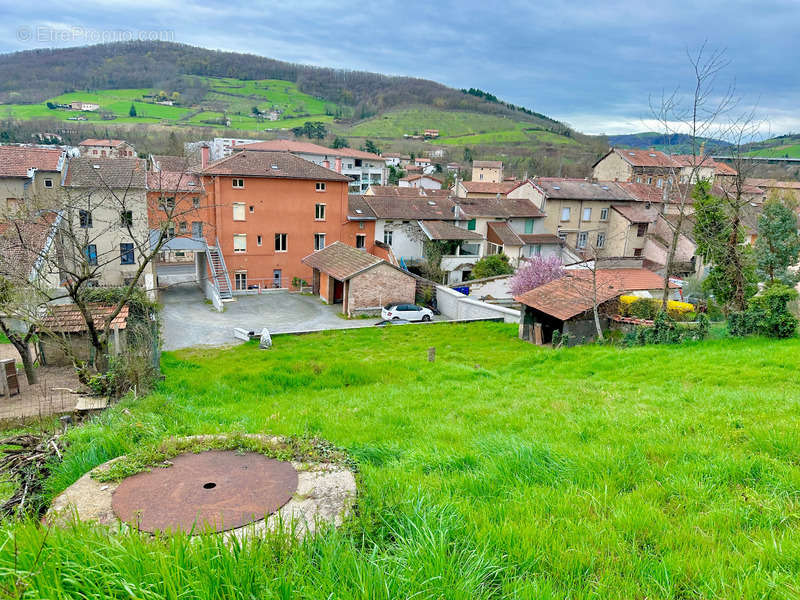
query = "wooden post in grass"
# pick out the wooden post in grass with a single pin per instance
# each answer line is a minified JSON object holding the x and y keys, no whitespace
{"x":432,"y":354}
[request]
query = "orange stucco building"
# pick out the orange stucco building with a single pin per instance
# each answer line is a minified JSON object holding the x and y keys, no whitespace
{"x":268,"y":210}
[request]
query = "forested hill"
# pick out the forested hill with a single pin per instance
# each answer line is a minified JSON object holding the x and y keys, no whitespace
{"x":35,"y":75}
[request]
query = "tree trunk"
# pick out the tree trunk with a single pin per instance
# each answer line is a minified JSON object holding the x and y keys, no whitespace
{"x":24,"y":349}
{"x":594,"y":304}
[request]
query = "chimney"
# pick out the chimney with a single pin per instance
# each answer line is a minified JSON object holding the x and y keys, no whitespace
{"x":204,"y":150}
{"x":702,"y":148}
{"x":338,"y":168}
{"x":326,"y":164}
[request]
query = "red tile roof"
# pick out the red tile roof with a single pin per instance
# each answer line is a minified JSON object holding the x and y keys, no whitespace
{"x":15,"y":161}
{"x":636,"y":213}
{"x":646,"y":158}
{"x":308,"y":148}
{"x":486,"y":187}
{"x":67,"y":318}
{"x":278,"y":165}
{"x":341,"y":261}
{"x":23,"y":243}
{"x":573,"y":294}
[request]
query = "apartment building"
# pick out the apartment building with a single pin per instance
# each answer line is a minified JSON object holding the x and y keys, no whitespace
{"x":363,"y":168}
{"x":105,"y":204}
{"x":30,"y":179}
{"x":269,"y":210}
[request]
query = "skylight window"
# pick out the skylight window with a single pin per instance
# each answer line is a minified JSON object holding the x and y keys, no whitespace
{"x":431,"y":203}
{"x":556,"y":187}
{"x":359,"y":211}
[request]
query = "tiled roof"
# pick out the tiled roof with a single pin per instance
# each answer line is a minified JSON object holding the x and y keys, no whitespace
{"x":646,"y":158}
{"x":499,"y":207}
{"x":581,"y":189}
{"x":168,"y":162}
{"x":341,"y":261}
{"x":67,"y":318}
{"x":395,"y":191}
{"x":488,"y":164}
{"x":16,"y":160}
{"x":358,"y":210}
{"x":573,"y":294}
{"x":541,"y":238}
{"x":773,"y":183}
{"x":486,"y":187}
{"x":115,"y":173}
{"x":96,"y":142}
{"x":504,"y":234}
{"x":22,"y":243}
{"x":636,"y":213}
{"x":722,"y":168}
{"x":308,"y":148}
{"x":172,"y":181}
{"x":642,"y":192}
{"x":415,"y":177}
{"x":279,"y":165}
{"x":413,"y":206}
{"x":443,"y":230}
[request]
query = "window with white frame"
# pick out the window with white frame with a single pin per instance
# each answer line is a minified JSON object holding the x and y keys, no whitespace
{"x":319,"y":241}
{"x":601,"y":239}
{"x":387,"y":238}
{"x":238,"y":183}
{"x":319,"y":212}
{"x":280,"y":242}
{"x":320,"y":187}
{"x":238,"y":211}
{"x":582,"y":238}
{"x":659,"y":182}
{"x":494,"y":248}
{"x":565,"y":213}
{"x":604,"y":214}
{"x":240,"y":280}
{"x":587,"y":214}
{"x":239,"y":242}
{"x":562,"y":235}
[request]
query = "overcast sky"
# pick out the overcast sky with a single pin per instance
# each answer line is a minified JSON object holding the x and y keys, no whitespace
{"x":591,"y":64}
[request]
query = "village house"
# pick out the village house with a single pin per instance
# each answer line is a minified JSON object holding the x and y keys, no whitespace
{"x":30,"y":178}
{"x":428,"y":182}
{"x":776,"y":188}
{"x":488,"y":171}
{"x":269,"y":211}
{"x":94,"y":148}
{"x":363,"y":168}
{"x":27,"y":250}
{"x":177,"y":200}
{"x":566,"y":305}
{"x":505,"y":189}
{"x":651,"y":167}
{"x":361,"y":282}
{"x":87,"y":106}
{"x":217,"y":148}
{"x":396,"y":160}
{"x":105,"y":201}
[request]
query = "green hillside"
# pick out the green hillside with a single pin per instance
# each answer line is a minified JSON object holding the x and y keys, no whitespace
{"x":784,"y":146}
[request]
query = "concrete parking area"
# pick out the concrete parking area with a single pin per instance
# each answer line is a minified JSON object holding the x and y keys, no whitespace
{"x":189,"y":321}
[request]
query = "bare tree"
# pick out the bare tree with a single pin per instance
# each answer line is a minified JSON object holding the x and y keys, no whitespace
{"x":699,"y":114}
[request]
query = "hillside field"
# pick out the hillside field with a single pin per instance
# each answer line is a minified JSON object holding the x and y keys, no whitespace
{"x":501,"y":470}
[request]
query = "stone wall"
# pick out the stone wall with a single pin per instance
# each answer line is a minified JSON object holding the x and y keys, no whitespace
{"x":377,"y":287}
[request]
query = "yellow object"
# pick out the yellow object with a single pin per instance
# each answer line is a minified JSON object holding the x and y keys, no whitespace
{"x":677,"y":306}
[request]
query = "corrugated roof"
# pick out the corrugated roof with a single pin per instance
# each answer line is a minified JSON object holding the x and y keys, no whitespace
{"x":115,"y":173}
{"x":278,"y":165}
{"x":442,"y":230}
{"x":504,"y":234}
{"x":308,"y":148}
{"x":15,"y":161}
{"x":341,"y":261}
{"x":67,"y":318}
{"x":573,"y":294}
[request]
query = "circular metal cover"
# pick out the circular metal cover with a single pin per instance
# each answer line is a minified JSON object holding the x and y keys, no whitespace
{"x":210,"y":491}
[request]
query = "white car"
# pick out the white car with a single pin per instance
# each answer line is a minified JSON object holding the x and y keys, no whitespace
{"x":406,"y":312}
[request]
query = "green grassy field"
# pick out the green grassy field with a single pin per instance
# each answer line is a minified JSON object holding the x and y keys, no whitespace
{"x":236,"y":97}
{"x":500,"y":471}
{"x":784,"y":151}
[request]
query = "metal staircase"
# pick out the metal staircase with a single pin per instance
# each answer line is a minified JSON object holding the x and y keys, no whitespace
{"x":220,"y":272}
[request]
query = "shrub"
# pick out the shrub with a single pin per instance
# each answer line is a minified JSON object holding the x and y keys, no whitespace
{"x":767,"y":314}
{"x":489,"y":266}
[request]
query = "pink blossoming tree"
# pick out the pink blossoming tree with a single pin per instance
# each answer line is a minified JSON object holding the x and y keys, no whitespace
{"x":534,"y":272}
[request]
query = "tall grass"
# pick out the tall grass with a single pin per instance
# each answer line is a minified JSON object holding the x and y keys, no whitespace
{"x":499,"y":471}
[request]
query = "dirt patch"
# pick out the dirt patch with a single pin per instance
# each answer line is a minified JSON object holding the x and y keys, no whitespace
{"x":56,"y":393}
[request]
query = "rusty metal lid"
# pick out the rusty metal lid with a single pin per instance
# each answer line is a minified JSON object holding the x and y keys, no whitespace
{"x":214,"y":490}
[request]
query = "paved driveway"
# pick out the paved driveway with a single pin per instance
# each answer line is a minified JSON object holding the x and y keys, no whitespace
{"x":189,"y":321}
